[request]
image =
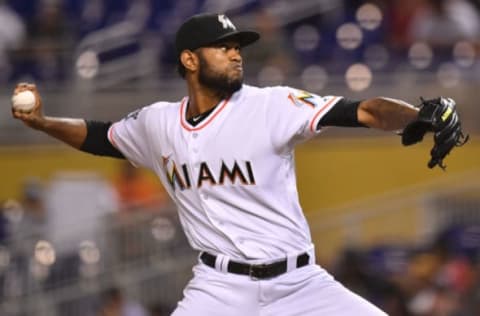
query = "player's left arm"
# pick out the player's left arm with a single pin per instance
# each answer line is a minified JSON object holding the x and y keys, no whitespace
{"x":386,"y":113}
{"x":382,"y":113}
{"x":438,"y":116}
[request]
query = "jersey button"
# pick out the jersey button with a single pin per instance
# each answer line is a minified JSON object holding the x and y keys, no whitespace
{"x":195,"y":135}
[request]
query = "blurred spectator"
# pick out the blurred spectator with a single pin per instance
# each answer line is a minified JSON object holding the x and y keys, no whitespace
{"x":367,"y":281}
{"x":437,"y":281}
{"x":399,"y":16}
{"x":137,"y":191}
{"x":53,"y":39}
{"x":274,"y":51}
{"x":26,"y":226}
{"x":12,"y":35}
{"x":114,"y":303}
{"x":49,"y":39}
{"x":350,"y":270}
{"x":28,"y":220}
{"x":444,"y":22}
{"x":139,"y":197}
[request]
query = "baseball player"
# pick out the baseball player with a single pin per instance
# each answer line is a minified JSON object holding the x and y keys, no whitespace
{"x":225,"y":155}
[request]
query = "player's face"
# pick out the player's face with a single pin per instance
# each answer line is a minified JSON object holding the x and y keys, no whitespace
{"x":221,"y":67}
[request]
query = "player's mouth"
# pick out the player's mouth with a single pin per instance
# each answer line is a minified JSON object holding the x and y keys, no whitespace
{"x":237,"y":68}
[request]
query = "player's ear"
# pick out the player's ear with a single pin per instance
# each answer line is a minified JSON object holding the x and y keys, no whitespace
{"x":189,"y":60}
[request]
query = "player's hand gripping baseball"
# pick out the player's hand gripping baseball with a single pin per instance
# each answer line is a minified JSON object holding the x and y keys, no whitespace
{"x":31,"y":117}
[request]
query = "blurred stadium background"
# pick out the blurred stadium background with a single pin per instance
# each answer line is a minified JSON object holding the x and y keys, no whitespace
{"x":81,"y":235}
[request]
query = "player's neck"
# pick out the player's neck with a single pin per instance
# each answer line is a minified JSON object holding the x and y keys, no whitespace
{"x":202,"y":100}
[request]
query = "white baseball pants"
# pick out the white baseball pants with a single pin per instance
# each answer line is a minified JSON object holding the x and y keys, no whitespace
{"x":306,"y":291}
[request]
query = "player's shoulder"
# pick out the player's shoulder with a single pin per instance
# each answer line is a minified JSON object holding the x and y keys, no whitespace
{"x":265,"y":92}
{"x":282,"y":92}
{"x":154,"y":111}
{"x":254,"y":90}
{"x":260,"y":97}
{"x":164,"y":106}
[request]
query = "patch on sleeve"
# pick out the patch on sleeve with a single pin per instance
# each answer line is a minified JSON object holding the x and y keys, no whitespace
{"x":301,"y":98}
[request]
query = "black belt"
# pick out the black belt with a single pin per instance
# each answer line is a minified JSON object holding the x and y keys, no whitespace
{"x":257,"y":271}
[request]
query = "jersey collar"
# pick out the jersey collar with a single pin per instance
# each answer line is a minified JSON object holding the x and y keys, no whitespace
{"x":206,"y":121}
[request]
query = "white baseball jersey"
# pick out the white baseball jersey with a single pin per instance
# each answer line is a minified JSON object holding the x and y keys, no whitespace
{"x":232,"y":176}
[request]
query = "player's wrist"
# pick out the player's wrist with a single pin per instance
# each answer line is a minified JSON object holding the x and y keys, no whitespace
{"x":41,"y":123}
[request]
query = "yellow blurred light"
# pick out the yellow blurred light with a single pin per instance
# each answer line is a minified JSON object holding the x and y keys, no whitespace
{"x":349,"y":36}
{"x":162,"y":229}
{"x":89,"y":252}
{"x":369,"y":16}
{"x":87,"y":64}
{"x":44,"y":253}
{"x":420,"y":55}
{"x":464,"y":54}
{"x":358,"y":77}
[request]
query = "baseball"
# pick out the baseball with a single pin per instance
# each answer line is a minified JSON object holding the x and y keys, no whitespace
{"x":24,"y":101}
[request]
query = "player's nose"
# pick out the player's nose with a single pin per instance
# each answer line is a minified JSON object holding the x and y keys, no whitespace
{"x":235,"y":54}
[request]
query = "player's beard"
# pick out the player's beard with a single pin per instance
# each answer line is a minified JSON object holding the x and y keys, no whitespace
{"x":221,"y":83}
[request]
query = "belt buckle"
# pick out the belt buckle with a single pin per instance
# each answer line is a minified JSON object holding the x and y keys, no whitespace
{"x":258,"y":271}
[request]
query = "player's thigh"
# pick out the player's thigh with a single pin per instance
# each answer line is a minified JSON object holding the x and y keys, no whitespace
{"x":311,"y":291}
{"x":213,"y":293}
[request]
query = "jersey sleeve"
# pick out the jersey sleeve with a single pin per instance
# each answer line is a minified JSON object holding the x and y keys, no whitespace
{"x":130,"y":137}
{"x":293,"y":115}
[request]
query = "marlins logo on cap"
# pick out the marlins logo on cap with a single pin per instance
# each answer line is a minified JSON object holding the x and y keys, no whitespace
{"x":206,"y":29}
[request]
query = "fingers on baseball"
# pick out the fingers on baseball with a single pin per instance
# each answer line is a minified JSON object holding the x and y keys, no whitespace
{"x":26,"y":86}
{"x":23,"y":86}
{"x":22,"y":115}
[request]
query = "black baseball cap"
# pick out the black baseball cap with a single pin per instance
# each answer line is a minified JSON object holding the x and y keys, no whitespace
{"x":210,"y":28}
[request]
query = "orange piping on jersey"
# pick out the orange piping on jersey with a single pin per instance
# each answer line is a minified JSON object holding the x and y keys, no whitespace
{"x":110,"y":136}
{"x":320,"y":111}
{"x":290,"y":97}
{"x":192,"y":129}
{"x":308,"y":103}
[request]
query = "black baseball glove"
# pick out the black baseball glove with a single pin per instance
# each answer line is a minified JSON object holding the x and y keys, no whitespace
{"x":440,"y":117}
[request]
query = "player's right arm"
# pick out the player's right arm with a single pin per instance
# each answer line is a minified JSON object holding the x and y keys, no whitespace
{"x":68,"y":130}
{"x":88,"y":136}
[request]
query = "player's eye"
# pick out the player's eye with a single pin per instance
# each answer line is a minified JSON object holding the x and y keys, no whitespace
{"x":222,"y":47}
{"x":225,"y":47}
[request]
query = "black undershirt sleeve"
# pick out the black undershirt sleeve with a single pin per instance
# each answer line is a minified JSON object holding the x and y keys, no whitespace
{"x":343,"y":113}
{"x":97,"y":142}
